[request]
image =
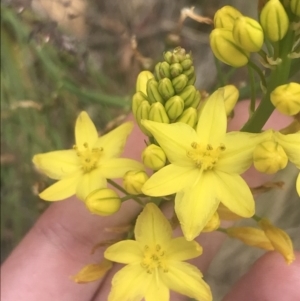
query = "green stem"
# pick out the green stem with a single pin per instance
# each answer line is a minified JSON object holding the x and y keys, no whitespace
{"x":256,"y":218}
{"x":259,"y":73}
{"x":253,"y":90}
{"x":223,"y":230}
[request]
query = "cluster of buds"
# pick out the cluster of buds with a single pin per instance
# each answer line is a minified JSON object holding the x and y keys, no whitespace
{"x":168,"y":95}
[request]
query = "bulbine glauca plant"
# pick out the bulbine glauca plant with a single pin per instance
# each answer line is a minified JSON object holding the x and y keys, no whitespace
{"x":196,"y":163}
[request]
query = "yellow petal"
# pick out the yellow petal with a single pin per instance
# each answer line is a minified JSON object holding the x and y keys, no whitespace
{"x":175,"y":139}
{"x":180,"y":249}
{"x":196,"y":205}
{"x":291,"y":146}
{"x":238,"y":156}
{"x":152,"y":227}
{"x":89,"y":182}
{"x":157,"y":291}
{"x":235,"y":194}
{"x":226,"y":214}
{"x":62,"y":189}
{"x":58,"y":164}
{"x":130,"y":284}
{"x":113,"y":142}
{"x":92,"y":272}
{"x":169,"y":180}
{"x":187,"y":280}
{"x":85,"y":131}
{"x":298,"y":184}
{"x":125,"y":251}
{"x":212,"y":121}
{"x":117,"y":167}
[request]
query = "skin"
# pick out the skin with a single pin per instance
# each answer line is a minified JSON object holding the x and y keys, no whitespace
{"x":60,"y":243}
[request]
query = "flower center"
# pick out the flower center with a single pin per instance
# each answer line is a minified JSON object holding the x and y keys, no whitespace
{"x":89,"y":157}
{"x":154,"y":258}
{"x":204,"y":155}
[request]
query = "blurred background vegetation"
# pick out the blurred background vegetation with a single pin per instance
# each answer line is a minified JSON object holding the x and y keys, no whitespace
{"x":59,"y":57}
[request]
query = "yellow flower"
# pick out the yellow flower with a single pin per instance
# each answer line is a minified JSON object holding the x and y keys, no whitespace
{"x":205,"y":166}
{"x":86,"y":167}
{"x":154,"y":263}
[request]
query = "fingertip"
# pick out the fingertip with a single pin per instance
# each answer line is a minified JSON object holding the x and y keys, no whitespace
{"x":269,"y":279}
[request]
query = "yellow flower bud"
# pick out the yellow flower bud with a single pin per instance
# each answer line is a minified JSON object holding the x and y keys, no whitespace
{"x":279,"y":239}
{"x":188,"y":116}
{"x":192,"y":80}
{"x":286,"y":98}
{"x":295,"y":7}
{"x":143,"y":113}
{"x":188,"y":95}
{"x":158,"y":113}
{"x":186,"y":64}
{"x":179,"y":82}
{"x":174,"y":106}
{"x":165,"y":88}
{"x":137,"y":99}
{"x":225,"y":17}
{"x":196,"y":100}
{"x":213,"y":224}
{"x":226,"y":50}
{"x":175,"y":69}
{"x":142,"y":79}
{"x":251,"y":237}
{"x":269,"y":157}
{"x":154,"y":157}
{"x":103,"y":201}
{"x":231,"y":96}
{"x":248,"y":34}
{"x":164,"y":70}
{"x":133,"y":181}
{"x":152,"y":91}
{"x":274,"y":20}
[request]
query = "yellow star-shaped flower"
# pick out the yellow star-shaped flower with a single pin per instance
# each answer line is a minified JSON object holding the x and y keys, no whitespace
{"x":155,"y":263}
{"x":86,"y":167}
{"x":205,"y":168}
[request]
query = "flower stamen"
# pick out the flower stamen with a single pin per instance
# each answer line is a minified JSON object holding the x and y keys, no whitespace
{"x":154,"y":258}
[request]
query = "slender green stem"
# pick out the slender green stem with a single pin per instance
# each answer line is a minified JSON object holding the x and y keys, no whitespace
{"x":253,"y":90}
{"x":133,"y":197}
{"x":221,"y":78}
{"x":223,"y":230}
{"x":259,"y":73}
{"x":256,"y":218}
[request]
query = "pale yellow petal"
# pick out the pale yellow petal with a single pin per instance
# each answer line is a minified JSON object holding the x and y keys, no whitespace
{"x":212,"y":123}
{"x":89,"y":182}
{"x":169,"y":180}
{"x":125,"y":251}
{"x":157,"y":291}
{"x":238,"y":156}
{"x":85,"y":131}
{"x":92,"y":272}
{"x":58,"y":164}
{"x":152,"y":227}
{"x":235,"y":194}
{"x":117,"y":167}
{"x":298,"y":184}
{"x":180,"y":249}
{"x":130,"y":284}
{"x":175,"y":139}
{"x":113,"y":143}
{"x":196,"y":205}
{"x":62,"y":189}
{"x":187,"y":280}
{"x":291,"y":146}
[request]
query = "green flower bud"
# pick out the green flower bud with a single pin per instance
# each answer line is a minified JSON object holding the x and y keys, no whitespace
{"x":269,"y":157}
{"x":188,"y":116}
{"x":179,"y":82}
{"x":192,"y":80}
{"x":174,"y":107}
{"x":188,"y":95}
{"x":295,"y":7}
{"x":103,"y":202}
{"x":248,"y":34}
{"x":143,"y":113}
{"x":225,"y":17}
{"x":168,"y":56}
{"x":274,"y":20}
{"x":226,"y":50}
{"x":154,"y":157}
{"x":152,"y":91}
{"x":190,"y":72}
{"x":196,"y":100}
{"x":156,"y":71}
{"x":176,"y":69}
{"x":142,"y":79}
{"x":137,"y":99}
{"x":187,"y":64}
{"x":158,"y":113}
{"x":133,"y":181}
{"x":286,"y":98}
{"x":179,"y":54}
{"x":231,"y":96}
{"x":165,"y":88}
{"x":164,"y":70}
